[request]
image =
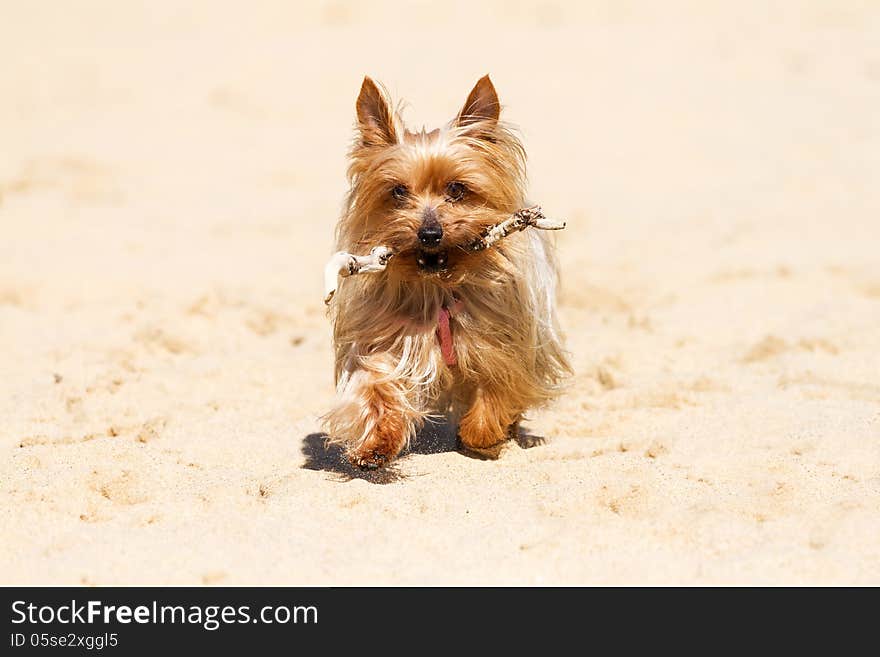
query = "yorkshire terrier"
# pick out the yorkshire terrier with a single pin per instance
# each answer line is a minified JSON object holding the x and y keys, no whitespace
{"x":445,"y":330}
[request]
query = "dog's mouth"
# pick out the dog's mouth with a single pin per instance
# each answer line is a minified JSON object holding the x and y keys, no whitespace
{"x":432,"y":262}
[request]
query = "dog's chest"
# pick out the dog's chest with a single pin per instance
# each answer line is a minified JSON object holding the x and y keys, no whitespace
{"x":467,"y":335}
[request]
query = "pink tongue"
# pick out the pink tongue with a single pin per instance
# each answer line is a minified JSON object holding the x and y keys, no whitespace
{"x":445,"y":335}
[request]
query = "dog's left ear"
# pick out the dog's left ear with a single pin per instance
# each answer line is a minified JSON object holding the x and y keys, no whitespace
{"x":481,"y":105}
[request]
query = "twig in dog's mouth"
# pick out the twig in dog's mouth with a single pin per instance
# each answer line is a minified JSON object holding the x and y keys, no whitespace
{"x":526,"y":218}
{"x":343,"y":264}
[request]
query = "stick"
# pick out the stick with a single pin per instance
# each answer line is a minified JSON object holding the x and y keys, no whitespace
{"x":345,"y":264}
{"x":526,"y":218}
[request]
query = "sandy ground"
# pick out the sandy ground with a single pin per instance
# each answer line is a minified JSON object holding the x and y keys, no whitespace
{"x":169,"y":181}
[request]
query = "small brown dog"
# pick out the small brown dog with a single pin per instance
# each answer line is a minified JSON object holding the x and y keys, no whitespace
{"x":444,"y":330}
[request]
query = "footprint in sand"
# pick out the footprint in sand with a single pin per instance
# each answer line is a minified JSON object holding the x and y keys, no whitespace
{"x":817,"y":387}
{"x":126,"y":488}
{"x":157,"y":338}
{"x":151,"y":430}
{"x":35,"y":441}
{"x":772,"y":346}
{"x":629,"y":500}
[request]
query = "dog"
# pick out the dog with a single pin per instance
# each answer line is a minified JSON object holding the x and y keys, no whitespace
{"x":444,"y":330}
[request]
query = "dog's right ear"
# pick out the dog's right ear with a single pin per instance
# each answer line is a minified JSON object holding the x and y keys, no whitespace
{"x":375,"y":119}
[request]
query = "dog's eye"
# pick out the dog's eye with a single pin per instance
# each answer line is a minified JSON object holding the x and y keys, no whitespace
{"x":455,"y":191}
{"x":399,"y":192}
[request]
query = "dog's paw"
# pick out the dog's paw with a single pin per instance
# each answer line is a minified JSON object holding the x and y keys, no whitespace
{"x":379,"y":449}
{"x":368,"y":459}
{"x":490,"y":453}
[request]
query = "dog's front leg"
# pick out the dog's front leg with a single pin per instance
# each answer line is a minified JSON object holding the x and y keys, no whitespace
{"x":491,"y":417}
{"x":374,"y":417}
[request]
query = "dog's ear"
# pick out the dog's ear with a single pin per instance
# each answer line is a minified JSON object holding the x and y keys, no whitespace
{"x":481,"y":105}
{"x":375,"y":119}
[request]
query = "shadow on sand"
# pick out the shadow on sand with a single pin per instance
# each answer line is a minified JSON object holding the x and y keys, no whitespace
{"x":436,"y":437}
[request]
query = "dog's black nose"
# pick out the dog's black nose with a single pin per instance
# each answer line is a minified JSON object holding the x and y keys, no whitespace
{"x":430,"y":233}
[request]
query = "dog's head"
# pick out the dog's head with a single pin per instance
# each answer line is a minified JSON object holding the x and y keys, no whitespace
{"x":430,"y":195}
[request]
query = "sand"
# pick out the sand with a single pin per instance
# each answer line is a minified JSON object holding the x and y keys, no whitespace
{"x":170,"y":178}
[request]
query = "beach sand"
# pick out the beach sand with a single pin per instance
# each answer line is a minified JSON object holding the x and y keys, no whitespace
{"x":169,"y":181}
